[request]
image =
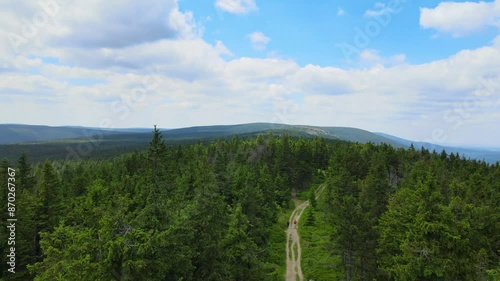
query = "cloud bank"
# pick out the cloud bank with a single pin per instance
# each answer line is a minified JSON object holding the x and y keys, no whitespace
{"x":170,"y":76}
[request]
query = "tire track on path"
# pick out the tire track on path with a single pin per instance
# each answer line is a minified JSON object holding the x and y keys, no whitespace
{"x":293,"y":259}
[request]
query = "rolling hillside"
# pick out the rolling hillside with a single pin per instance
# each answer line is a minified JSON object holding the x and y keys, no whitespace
{"x":339,"y":133}
{"x":13,"y":133}
{"x":16,"y":133}
{"x":45,"y":142}
{"x":486,"y":154}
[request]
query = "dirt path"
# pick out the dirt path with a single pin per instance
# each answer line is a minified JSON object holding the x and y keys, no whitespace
{"x":293,"y":250}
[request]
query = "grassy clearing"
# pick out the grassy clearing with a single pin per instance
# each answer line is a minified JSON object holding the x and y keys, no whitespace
{"x":317,"y":262}
{"x":303,"y":195}
{"x":277,"y":250}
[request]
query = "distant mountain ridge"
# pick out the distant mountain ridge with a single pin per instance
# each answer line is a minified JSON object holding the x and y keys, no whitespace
{"x":340,"y":133}
{"x":490,"y":155}
{"x":19,"y":134}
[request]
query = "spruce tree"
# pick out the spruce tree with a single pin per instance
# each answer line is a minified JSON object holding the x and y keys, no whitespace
{"x":312,"y":199}
{"x":240,"y":250}
{"x":157,"y":152}
{"x":48,"y":206}
{"x":310,"y":217}
{"x":25,"y":177}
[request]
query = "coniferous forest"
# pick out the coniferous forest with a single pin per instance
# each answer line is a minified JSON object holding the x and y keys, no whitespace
{"x":210,"y":211}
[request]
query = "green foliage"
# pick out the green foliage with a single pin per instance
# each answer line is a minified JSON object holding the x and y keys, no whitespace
{"x":317,"y":261}
{"x":25,"y":179}
{"x":241,"y":251}
{"x":412,"y":215}
{"x":217,"y":211}
{"x":420,"y":253}
{"x":275,"y":268}
{"x":310,"y":218}
{"x":71,"y":253}
{"x":312,"y":199}
{"x":494,"y":274}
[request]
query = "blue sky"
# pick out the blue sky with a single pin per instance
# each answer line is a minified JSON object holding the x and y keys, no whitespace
{"x":309,"y":33}
{"x":421,"y":70}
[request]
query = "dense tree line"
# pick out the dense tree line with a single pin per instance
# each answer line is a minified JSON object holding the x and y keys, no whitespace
{"x":413,"y":215}
{"x":190,"y":212}
{"x":204,"y":211}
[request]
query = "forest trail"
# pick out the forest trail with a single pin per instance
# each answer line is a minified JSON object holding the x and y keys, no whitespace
{"x":293,"y":250}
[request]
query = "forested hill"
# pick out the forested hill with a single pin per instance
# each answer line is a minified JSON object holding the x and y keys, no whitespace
{"x":338,"y":133}
{"x":490,"y":155}
{"x":44,"y":142}
{"x":13,"y":133}
{"x":18,"y":133}
{"x":92,"y":143}
{"x":209,"y":211}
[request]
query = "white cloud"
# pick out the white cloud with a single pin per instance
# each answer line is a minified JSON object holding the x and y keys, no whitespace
{"x":259,"y":40}
{"x":198,"y":83}
{"x":222,"y":49}
{"x":185,"y":59}
{"x":380,"y":9}
{"x":372,"y":57}
{"x":95,"y":24}
{"x":461,"y":18}
{"x":236,"y":6}
{"x":340,"y":12}
{"x":369,"y":55}
{"x":316,"y":80}
{"x":248,"y":89}
{"x":253,"y":69}
{"x":399,"y":58}
{"x":259,"y":37}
